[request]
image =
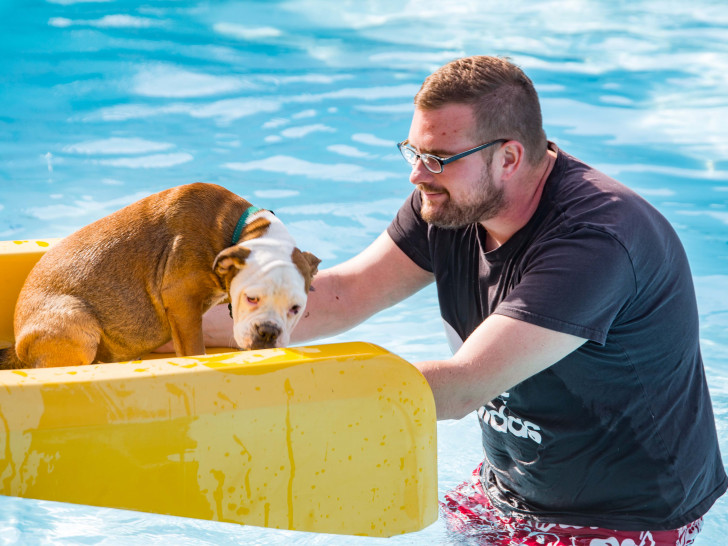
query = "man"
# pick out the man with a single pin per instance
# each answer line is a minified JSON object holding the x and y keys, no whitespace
{"x":570,"y":306}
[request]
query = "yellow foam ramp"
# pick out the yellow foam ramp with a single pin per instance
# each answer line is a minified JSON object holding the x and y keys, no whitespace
{"x":336,"y":438}
{"x":17,"y":258}
{"x":333,"y":439}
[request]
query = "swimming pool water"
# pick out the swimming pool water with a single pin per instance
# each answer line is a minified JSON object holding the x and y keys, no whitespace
{"x":297,"y":105}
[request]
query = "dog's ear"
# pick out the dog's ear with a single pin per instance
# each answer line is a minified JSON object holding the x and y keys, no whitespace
{"x":313,"y":262}
{"x":230,"y":260}
{"x":307,"y":264}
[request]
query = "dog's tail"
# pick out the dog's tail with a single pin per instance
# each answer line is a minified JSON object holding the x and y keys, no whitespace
{"x":9,"y":359}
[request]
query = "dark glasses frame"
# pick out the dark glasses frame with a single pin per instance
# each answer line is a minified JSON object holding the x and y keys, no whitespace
{"x":411,"y":155}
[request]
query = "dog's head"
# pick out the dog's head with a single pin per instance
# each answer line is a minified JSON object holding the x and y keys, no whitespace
{"x":267,"y":279}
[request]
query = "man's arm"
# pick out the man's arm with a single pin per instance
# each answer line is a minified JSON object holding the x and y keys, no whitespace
{"x":342,"y":296}
{"x":349,"y":293}
{"x":499,"y":354}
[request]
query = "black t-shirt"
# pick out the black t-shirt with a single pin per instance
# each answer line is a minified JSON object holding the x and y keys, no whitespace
{"x":619,"y":434}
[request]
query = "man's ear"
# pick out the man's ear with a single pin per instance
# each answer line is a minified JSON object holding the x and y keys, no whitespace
{"x":230,"y":260}
{"x":512,"y":158}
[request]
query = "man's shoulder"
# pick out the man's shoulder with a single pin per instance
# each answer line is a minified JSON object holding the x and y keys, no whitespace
{"x":584,"y":196}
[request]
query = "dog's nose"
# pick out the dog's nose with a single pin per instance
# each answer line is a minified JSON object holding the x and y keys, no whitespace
{"x":268,"y":333}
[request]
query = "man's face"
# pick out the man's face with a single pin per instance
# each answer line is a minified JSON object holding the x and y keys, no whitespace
{"x":465,"y":192}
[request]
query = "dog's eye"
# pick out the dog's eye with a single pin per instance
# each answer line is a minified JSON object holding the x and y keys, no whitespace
{"x":253,"y":301}
{"x":294,"y":310}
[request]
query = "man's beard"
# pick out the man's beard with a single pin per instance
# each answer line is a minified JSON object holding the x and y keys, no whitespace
{"x":484,"y":205}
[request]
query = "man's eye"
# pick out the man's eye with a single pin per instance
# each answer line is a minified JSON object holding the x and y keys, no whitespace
{"x":295,"y":309}
{"x":253,"y":301}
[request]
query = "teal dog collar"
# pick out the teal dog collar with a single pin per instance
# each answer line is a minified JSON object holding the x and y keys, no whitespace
{"x":244,"y":220}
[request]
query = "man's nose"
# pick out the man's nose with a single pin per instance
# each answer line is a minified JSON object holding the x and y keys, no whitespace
{"x":419,"y":173}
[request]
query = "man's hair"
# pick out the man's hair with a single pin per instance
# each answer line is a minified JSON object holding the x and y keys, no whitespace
{"x":503,"y":97}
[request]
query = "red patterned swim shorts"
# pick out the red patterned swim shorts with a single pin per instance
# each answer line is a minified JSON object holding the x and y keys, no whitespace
{"x":469,"y":514}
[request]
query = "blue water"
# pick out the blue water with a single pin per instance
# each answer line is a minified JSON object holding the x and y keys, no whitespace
{"x":297,"y":105}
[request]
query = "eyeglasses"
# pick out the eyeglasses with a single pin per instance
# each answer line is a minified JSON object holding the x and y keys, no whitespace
{"x":433,"y":163}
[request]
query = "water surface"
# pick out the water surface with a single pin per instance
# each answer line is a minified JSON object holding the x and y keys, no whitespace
{"x":297,"y":105}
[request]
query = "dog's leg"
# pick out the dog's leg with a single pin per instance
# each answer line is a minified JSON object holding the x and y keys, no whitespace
{"x":186,"y":328}
{"x":184,"y":313}
{"x":72,"y":341}
{"x":186,"y":295}
{"x":9,"y":360}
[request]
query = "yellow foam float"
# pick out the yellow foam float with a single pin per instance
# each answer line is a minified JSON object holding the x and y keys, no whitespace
{"x":336,"y":438}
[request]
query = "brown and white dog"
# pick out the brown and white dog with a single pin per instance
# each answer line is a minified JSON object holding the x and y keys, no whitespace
{"x":127,"y":283}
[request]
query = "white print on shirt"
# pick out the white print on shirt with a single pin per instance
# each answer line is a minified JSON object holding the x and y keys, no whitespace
{"x":501,"y":421}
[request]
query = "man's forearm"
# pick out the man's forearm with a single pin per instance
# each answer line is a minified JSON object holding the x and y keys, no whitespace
{"x":330,"y":309}
{"x":349,"y":293}
{"x":217,"y":327}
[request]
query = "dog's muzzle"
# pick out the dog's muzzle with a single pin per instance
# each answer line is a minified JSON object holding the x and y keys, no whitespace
{"x":266,"y":335}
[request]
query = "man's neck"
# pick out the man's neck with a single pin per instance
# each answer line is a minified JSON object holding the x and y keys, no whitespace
{"x":522,"y":205}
